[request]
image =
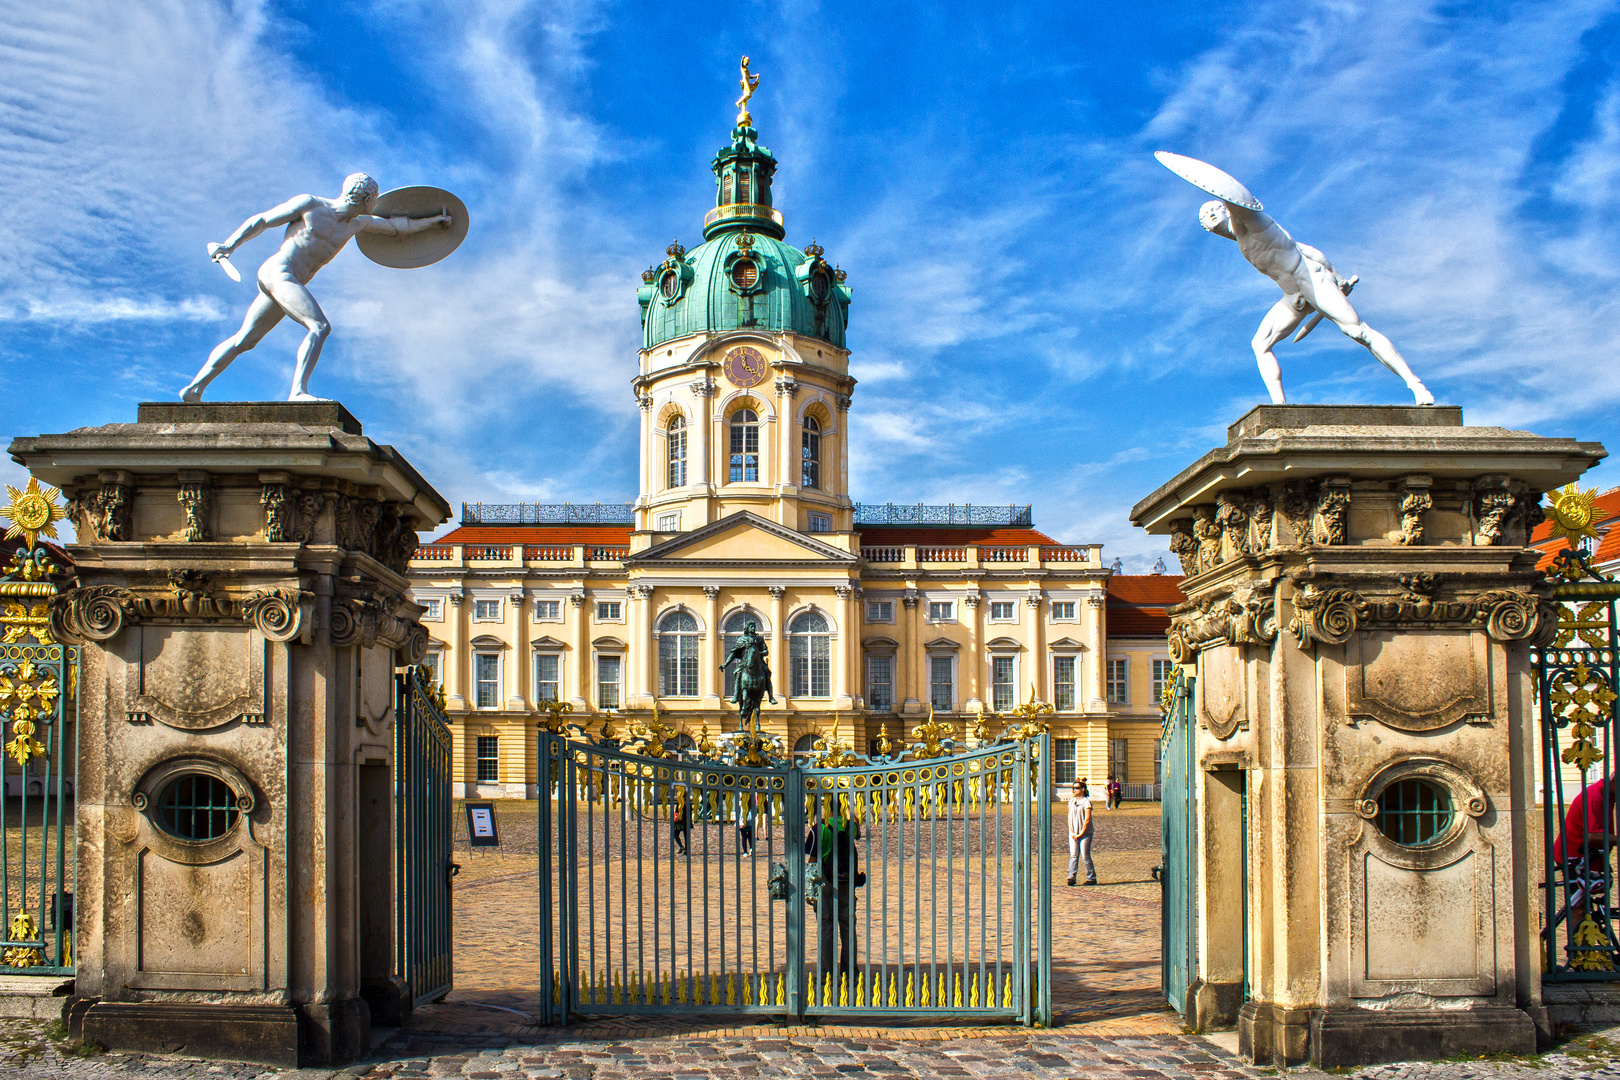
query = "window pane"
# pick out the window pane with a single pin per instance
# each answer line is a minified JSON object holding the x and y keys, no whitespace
{"x":1118,"y":760}
{"x":489,"y":759}
{"x":939,"y":682}
{"x":939,"y":609}
{"x":1063,"y":683}
{"x":744,"y":446}
{"x":1064,"y":761}
{"x":1161,"y":676}
{"x":1117,"y":691}
{"x":811,"y":451}
{"x":677,"y":453}
{"x":546,"y":669}
{"x":1002,"y":691}
{"x":880,"y":683}
{"x":607,"y":682}
{"x":487,"y":676}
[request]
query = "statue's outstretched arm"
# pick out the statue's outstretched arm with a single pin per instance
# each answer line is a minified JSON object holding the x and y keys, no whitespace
{"x":290,"y":210}
{"x":400,"y":226}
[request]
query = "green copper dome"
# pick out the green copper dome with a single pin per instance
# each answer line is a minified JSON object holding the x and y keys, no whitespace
{"x":743,"y":276}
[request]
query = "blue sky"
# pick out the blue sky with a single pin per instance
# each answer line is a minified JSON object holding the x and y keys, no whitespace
{"x":1037,"y":316}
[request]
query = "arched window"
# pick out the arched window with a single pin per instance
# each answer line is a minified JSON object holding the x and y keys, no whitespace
{"x":676,"y":442}
{"x":805,"y":744}
{"x":810,"y":467}
{"x":744,"y":194}
{"x":744,"y":446}
{"x":729,"y":635}
{"x":810,"y":656}
{"x":678,"y":655}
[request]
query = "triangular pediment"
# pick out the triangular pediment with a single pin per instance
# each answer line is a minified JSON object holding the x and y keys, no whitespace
{"x":742,"y":538}
{"x":1067,"y":644}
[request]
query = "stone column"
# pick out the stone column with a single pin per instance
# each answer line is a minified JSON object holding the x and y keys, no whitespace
{"x":847,"y":633}
{"x":702,"y":466}
{"x":639,"y":660}
{"x":782,"y":677}
{"x":582,"y":653}
{"x":1037,"y":646}
{"x":646,"y":456}
{"x":711,"y":681}
{"x":521,"y":692}
{"x":972,"y":661}
{"x":1352,"y":641}
{"x":909,"y":660}
{"x":787,"y":481}
{"x":241,"y":629}
{"x":1098,"y":613}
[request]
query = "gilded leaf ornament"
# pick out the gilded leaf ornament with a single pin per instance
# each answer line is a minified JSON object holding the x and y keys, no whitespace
{"x":22,"y":928}
{"x":1583,"y":699}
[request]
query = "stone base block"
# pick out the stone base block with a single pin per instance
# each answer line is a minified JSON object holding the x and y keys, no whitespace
{"x":264,"y":1034}
{"x":33,"y":997}
{"x":1580,"y":1004}
{"x":336,"y":1032}
{"x":389,"y":1001}
{"x":1273,"y":1035}
{"x":1213,"y":1006}
{"x":1350,"y":1037}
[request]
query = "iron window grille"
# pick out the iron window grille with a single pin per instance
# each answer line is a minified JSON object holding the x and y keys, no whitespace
{"x":1414,"y":812}
{"x":489,"y":759}
{"x":1063,"y":683}
{"x":194,"y":806}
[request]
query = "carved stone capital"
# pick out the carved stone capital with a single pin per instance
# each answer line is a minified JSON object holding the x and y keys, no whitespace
{"x":787,"y":388}
{"x":1244,"y":617}
{"x":843,"y":402}
{"x":711,"y":592}
{"x":843,"y":592}
{"x":1184,"y":546}
{"x":1331,"y":615}
{"x":1207,"y":531}
{"x":645,"y":401}
{"x":457,"y":597}
{"x":279,"y":513}
{"x":1332,"y":510}
{"x":703,"y":388}
{"x":972,"y":599}
{"x":574,"y":600}
{"x":1415,"y":502}
{"x":1034,"y":599}
{"x":1493,"y":503}
{"x":195,"y":499}
{"x":776,"y":591}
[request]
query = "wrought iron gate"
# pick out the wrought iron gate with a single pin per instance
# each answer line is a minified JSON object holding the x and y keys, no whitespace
{"x":899,"y":886}
{"x":1177,"y":867}
{"x":1577,"y":679}
{"x":423,"y":815}
{"x":39,"y":733}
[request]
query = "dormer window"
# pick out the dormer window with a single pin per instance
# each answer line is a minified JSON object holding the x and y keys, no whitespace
{"x":819,"y":287}
{"x":745,"y":274}
{"x":669,"y":286}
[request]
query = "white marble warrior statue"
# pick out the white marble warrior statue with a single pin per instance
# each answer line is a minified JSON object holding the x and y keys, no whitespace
{"x":1308,"y":281}
{"x":317,"y":229}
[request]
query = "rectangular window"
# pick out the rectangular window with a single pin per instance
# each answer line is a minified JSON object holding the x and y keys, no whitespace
{"x":940,"y":690}
{"x":1064,"y":762}
{"x":811,"y":658}
{"x":547,"y":610}
{"x":487,"y":676}
{"x":1118,"y":760}
{"x":941,"y":610}
{"x":607,"y":682}
{"x":810,"y":458}
{"x":1118,"y":694}
{"x":486,"y":611}
{"x":670,"y":522}
{"x":607,"y":611}
{"x":1003,"y":688}
{"x":880,"y":611}
{"x":434,"y":612}
{"x":744,"y":450}
{"x":547,"y":667}
{"x":1162,"y":674}
{"x":435,"y":665}
{"x":677,"y":457}
{"x":744,"y":194}
{"x":1002,"y":609}
{"x":489,"y":759}
{"x":880,"y":683}
{"x":1063,"y":683}
{"x":678,"y":665}
{"x":1158,"y":763}
{"x":820,"y":523}
{"x":1063,"y":610}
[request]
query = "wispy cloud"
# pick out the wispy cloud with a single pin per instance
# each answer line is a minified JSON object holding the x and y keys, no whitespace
{"x":113,"y":309}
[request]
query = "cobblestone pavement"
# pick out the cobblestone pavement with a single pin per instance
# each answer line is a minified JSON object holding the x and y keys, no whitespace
{"x":1110,"y":1020}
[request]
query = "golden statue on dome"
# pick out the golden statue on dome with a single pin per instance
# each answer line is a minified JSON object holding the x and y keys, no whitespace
{"x":750,"y":83}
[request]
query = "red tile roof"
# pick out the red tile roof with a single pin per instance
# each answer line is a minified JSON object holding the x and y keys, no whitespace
{"x":1145,"y":589}
{"x":890,"y":535}
{"x":537,"y":534}
{"x":1607,"y":510}
{"x":1137,"y":622}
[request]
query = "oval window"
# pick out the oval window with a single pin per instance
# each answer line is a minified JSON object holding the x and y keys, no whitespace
{"x":1414,"y":812}
{"x":194,"y":806}
{"x":670,"y":284}
{"x":818,"y":286}
{"x":745,"y":273}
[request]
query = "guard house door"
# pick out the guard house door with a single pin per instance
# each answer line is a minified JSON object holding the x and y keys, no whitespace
{"x":1177,"y":866}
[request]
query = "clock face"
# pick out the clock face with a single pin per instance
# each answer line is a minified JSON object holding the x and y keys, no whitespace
{"x":745,"y":367}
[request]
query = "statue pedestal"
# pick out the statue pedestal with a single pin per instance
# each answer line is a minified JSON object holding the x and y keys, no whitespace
{"x":1360,"y":612}
{"x":242,"y":602}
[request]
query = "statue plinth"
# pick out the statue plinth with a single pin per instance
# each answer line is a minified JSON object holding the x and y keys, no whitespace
{"x":1361,"y":608}
{"x":243,"y":606}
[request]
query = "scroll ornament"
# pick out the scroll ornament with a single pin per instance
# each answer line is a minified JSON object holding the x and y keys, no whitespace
{"x":1331,"y":615}
{"x":1246,"y":618}
{"x":99,"y":612}
{"x":368,"y":622}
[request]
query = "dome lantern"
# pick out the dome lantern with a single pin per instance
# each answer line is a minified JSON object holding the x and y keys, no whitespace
{"x":742,"y":177}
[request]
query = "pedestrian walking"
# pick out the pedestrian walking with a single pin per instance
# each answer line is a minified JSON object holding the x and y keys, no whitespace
{"x":745,"y":825}
{"x":1115,"y":790}
{"x":1080,"y":833}
{"x":680,"y":822}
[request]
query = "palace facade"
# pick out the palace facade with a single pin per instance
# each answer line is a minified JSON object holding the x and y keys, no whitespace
{"x":876,"y":616}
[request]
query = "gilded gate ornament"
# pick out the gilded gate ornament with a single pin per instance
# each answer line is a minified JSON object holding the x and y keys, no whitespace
{"x":32,"y":512}
{"x":1583,"y":699}
{"x":1573,"y":512}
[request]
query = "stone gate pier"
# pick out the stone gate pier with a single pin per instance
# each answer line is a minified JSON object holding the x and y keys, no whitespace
{"x":242,"y":605}
{"x":1360,"y":612}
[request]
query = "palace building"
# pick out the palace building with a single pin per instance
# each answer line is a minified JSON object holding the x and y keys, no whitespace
{"x":876,"y":615}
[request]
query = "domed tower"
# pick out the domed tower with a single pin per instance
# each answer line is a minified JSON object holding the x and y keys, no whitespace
{"x":744,"y":382}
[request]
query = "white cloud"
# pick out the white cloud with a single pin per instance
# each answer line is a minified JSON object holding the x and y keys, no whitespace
{"x":81,"y":309}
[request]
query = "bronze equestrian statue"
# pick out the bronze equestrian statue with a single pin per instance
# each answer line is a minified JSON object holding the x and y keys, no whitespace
{"x":753,"y":676}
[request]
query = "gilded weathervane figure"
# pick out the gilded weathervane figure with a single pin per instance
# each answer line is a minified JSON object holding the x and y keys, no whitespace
{"x":1311,"y":287}
{"x":749,"y":84}
{"x":393,"y":229}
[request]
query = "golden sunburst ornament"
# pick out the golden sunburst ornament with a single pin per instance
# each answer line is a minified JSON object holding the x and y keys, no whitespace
{"x":32,"y":512}
{"x":1572,"y":512}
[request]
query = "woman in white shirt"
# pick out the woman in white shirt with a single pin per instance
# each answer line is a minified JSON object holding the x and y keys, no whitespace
{"x":1080,"y":833}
